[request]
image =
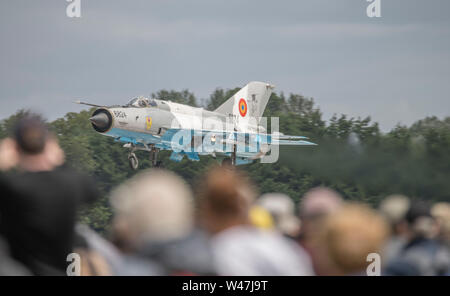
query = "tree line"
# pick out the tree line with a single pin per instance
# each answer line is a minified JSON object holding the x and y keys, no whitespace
{"x":353,"y":156}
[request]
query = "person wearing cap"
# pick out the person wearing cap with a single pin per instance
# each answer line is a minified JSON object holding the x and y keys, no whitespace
{"x":40,"y":198}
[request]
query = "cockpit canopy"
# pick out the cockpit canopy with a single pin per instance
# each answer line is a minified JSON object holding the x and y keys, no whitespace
{"x":141,"y":102}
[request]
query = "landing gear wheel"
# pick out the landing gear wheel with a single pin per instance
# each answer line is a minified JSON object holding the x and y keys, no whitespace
{"x":134,"y":162}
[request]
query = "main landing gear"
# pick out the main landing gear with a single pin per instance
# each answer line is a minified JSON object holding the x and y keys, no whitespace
{"x":133,"y":160}
{"x":154,"y":157}
{"x":230,"y":161}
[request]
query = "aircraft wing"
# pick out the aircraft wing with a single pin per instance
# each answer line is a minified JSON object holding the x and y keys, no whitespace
{"x":185,"y":143}
{"x":291,"y":142}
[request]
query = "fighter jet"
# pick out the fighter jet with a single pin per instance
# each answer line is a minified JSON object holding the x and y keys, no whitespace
{"x":233,"y":133}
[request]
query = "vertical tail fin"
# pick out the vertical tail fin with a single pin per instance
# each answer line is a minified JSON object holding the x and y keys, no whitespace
{"x":249,"y":102}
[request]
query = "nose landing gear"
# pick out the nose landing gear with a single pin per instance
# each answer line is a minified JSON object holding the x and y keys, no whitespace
{"x":133,"y":160}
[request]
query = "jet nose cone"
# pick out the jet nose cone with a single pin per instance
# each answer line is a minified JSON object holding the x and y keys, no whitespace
{"x":100,"y":120}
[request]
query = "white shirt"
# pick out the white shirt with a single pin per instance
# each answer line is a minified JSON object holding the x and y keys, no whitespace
{"x":249,"y":251}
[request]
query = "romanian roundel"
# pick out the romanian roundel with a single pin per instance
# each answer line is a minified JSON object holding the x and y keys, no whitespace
{"x":242,"y":107}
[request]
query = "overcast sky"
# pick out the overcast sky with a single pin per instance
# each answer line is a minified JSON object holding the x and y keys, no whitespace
{"x":395,"y":68}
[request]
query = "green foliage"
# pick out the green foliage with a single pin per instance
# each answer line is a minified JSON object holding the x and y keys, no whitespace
{"x":219,"y":96}
{"x":183,"y":97}
{"x":353,"y":156}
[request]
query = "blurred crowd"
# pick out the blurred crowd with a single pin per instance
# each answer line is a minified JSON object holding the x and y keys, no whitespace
{"x":161,"y":226}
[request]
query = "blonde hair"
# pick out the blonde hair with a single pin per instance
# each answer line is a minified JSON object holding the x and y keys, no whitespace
{"x":441,"y":212}
{"x":351,"y":234}
{"x":394,"y":207}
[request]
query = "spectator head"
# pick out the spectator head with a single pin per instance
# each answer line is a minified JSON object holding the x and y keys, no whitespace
{"x":315,"y":205}
{"x":350,"y":234}
{"x":155,"y":206}
{"x":441,"y":212}
{"x":282,"y":209}
{"x":32,"y":147}
{"x":319,"y":201}
{"x":420,"y":222}
{"x":31,"y":135}
{"x":394,"y":209}
{"x":226,"y":197}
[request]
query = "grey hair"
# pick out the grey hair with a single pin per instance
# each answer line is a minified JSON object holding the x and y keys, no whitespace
{"x":156,"y":205}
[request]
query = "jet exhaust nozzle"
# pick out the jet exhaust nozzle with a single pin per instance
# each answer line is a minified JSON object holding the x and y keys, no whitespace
{"x":101,"y":120}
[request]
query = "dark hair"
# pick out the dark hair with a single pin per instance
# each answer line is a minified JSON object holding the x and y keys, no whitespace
{"x":418,"y":209}
{"x":31,"y":134}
